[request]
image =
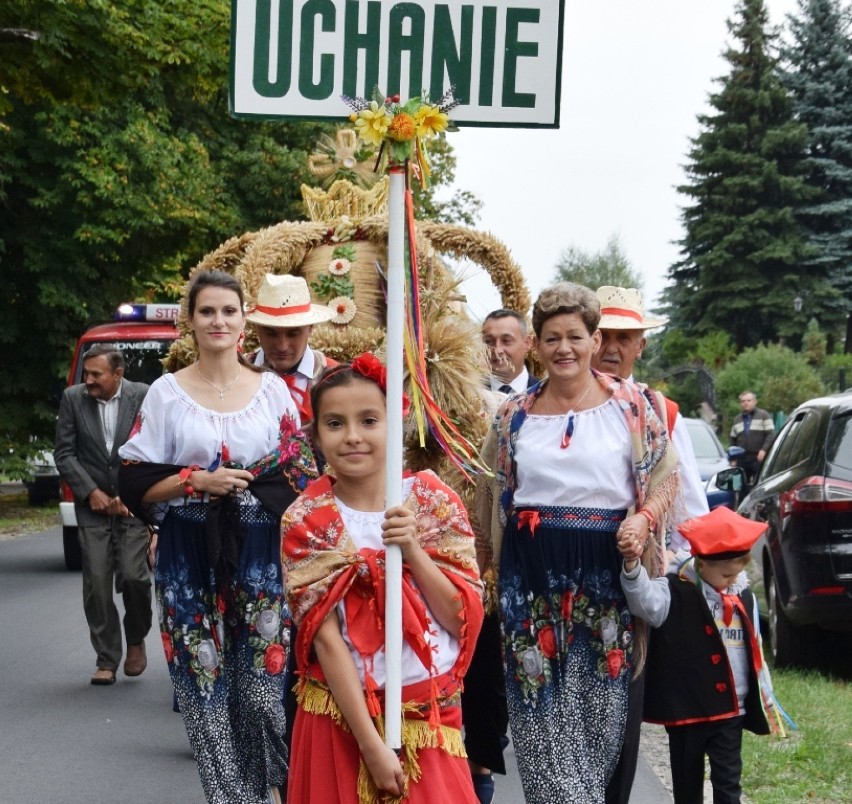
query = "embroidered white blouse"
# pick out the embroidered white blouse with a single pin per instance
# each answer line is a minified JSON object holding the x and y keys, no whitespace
{"x":174,"y":428}
{"x":365,"y":528}
{"x":594,"y":471}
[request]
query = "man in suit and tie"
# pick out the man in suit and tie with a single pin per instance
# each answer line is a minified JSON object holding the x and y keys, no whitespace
{"x":95,"y":419}
{"x":508,"y":341}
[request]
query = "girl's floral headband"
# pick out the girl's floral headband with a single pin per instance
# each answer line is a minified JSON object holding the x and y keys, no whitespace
{"x":370,"y":368}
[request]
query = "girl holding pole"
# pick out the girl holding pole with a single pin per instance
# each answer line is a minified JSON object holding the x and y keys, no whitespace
{"x":333,"y":548}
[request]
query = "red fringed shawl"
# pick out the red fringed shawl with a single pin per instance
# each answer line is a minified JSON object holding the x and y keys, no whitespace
{"x":322,"y":566}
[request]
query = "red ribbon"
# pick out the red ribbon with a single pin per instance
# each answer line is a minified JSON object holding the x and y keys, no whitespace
{"x":292,"y":310}
{"x":729,"y":604}
{"x":529,"y":519}
{"x":301,"y":398}
{"x":622,"y":311}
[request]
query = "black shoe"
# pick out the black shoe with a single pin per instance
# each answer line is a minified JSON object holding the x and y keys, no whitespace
{"x":483,"y":786}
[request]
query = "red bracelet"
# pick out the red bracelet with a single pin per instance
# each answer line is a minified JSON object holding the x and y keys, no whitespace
{"x":652,"y":520}
{"x":183,"y":478}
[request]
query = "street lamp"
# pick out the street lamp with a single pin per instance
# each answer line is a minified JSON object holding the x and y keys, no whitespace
{"x":797,"y":303}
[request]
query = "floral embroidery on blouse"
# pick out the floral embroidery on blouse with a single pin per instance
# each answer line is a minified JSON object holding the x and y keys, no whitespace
{"x":649,"y":438}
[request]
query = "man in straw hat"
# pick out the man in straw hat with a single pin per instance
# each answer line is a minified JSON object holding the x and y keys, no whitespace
{"x":706,"y":681}
{"x":508,"y":341}
{"x":622,"y":325}
{"x":284,"y":317}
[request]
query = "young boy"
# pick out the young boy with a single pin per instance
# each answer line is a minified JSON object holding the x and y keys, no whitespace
{"x":704,"y":664}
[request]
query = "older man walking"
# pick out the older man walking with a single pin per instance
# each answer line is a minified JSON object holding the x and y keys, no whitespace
{"x":623,"y":325}
{"x":95,"y":419}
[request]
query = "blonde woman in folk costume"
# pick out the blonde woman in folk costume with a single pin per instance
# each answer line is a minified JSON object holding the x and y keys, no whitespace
{"x":576,"y":460}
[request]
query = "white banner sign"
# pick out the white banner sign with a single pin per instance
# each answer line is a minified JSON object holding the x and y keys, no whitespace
{"x":295,"y":58}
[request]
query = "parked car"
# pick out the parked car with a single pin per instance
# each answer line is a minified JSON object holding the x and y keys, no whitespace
{"x":804,"y":560}
{"x":144,"y":333}
{"x":43,"y":484}
{"x":712,"y":459}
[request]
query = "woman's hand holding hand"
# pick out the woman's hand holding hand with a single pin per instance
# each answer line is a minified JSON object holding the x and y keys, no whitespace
{"x":385,"y":768}
{"x":400,"y":528}
{"x":222,"y":482}
{"x":632,"y":537}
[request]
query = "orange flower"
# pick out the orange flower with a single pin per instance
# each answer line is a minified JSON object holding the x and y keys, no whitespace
{"x":614,"y":662}
{"x":168,"y":647}
{"x":402,"y":127}
{"x":547,"y":641}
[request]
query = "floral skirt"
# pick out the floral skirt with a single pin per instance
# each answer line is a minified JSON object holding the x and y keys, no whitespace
{"x":227,"y":652}
{"x":568,"y":641}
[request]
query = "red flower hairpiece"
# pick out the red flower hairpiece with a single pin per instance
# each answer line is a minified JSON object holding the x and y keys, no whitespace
{"x":370,"y":367}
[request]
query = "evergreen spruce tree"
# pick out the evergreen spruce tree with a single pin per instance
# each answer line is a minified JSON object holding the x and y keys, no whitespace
{"x":742,"y":249}
{"x":817,"y":71}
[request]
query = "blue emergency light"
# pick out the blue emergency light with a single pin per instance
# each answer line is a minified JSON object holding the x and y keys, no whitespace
{"x":147,"y":312}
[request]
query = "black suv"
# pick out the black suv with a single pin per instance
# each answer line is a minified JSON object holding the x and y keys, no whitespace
{"x":804,"y":494}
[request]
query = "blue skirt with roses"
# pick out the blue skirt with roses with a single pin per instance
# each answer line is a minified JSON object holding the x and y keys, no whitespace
{"x":227,"y":651}
{"x":568,"y":642}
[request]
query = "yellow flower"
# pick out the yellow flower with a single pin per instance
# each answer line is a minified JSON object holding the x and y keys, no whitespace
{"x":430,"y":121}
{"x":402,"y":127}
{"x":372,"y":123}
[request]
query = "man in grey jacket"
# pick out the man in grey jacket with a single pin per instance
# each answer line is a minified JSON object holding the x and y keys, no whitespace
{"x":753,"y":430}
{"x":95,"y":419}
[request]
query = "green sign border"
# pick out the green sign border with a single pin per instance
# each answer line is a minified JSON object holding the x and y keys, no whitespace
{"x":344,"y":109}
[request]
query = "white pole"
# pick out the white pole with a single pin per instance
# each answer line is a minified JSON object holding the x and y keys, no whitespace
{"x":393,"y":475}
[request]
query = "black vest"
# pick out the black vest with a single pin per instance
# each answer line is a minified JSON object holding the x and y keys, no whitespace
{"x":688,"y":676}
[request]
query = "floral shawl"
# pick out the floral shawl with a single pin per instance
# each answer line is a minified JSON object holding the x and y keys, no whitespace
{"x":322,"y":566}
{"x":654,"y":465}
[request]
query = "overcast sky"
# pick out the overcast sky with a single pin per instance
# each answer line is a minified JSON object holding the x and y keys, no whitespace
{"x":635,"y":75}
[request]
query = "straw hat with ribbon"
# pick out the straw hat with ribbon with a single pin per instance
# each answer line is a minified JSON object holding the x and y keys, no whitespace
{"x":284,"y":300}
{"x":621,"y":308}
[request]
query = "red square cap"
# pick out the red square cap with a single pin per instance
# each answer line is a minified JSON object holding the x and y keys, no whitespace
{"x":721,"y":534}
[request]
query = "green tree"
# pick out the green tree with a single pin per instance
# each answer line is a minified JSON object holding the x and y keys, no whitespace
{"x":684,"y":367}
{"x":814,"y":344}
{"x":676,"y":347}
{"x":818,"y":73}
{"x":742,"y":248}
{"x":431,"y":202}
{"x":609,"y":266}
{"x":119,"y":168}
{"x":781,"y":378}
{"x":836,"y":372}
{"x":715,"y":350}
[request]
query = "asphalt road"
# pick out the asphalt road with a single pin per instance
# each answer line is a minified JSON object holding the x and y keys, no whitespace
{"x":66,"y":742}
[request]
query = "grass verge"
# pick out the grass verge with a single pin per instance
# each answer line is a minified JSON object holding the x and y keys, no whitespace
{"x":17,"y":517}
{"x":814,"y":764}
